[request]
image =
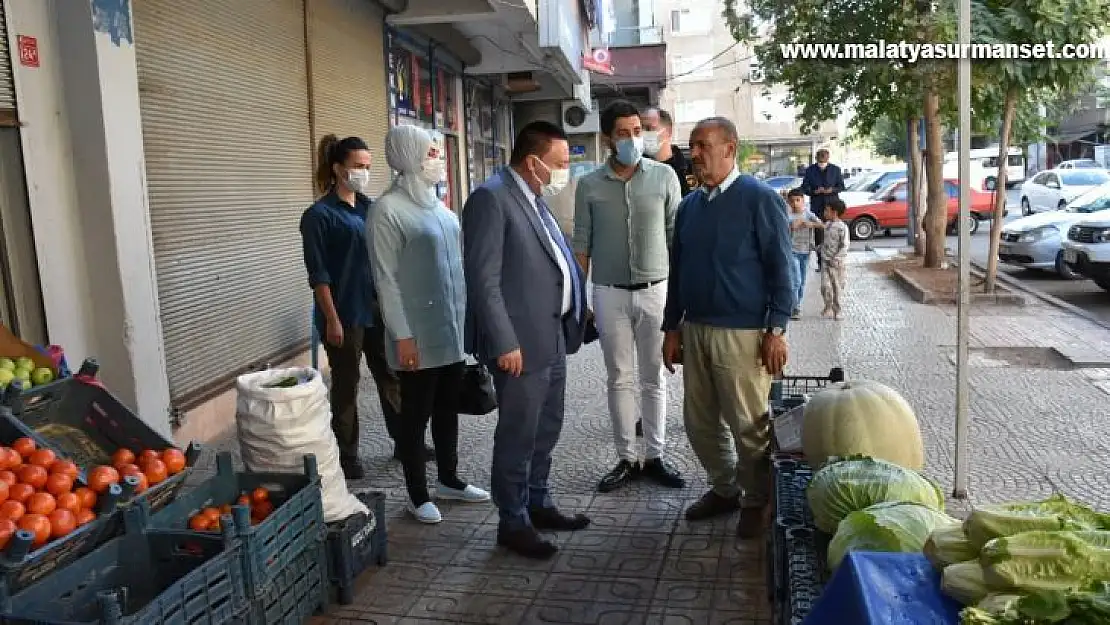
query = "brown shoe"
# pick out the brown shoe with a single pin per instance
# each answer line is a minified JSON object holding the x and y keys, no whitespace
{"x":710,"y":505}
{"x":753,"y":521}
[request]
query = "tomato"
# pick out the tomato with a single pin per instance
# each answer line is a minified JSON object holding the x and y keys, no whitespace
{"x":128,"y":469}
{"x":42,"y":457}
{"x":24,"y":447}
{"x":155,"y":471}
{"x":143,"y":483}
{"x":37,"y":524}
{"x":58,"y":483}
{"x":175,"y":460}
{"x":62,"y":522}
{"x":9,"y":458}
{"x":262,"y":509}
{"x":32,"y":475}
{"x":123,"y":455}
{"x":9,"y":477}
{"x":41,"y":503}
{"x":225,"y":509}
{"x":3,"y":492}
{"x":212,"y":513}
{"x":85,"y":516}
{"x":69,"y":501}
{"x":102,"y":477}
{"x":147,"y":455}
{"x":259,"y":495}
{"x":12,"y":510}
{"x":7,"y":528}
{"x":20,"y":492}
{"x":87,"y":497}
{"x":199,"y":523}
{"x":65,"y":467}
{"x":243,"y":501}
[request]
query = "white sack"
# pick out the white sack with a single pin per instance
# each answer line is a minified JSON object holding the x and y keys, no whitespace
{"x":278,"y":426}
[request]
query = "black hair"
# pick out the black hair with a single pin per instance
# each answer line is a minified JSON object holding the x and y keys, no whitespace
{"x":723,"y":124}
{"x":618,"y":109}
{"x":796,"y":192}
{"x":837,"y":205}
{"x":535,"y":140}
{"x":331,"y":151}
{"x":665,"y":118}
{"x":824,"y":151}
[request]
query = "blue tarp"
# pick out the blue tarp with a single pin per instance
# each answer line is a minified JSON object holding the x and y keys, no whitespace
{"x":884,"y":589}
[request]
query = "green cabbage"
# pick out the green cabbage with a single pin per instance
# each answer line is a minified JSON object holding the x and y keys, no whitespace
{"x":964,"y":582}
{"x":1047,"y":561}
{"x":849,"y":485}
{"x":948,"y":545}
{"x":890,"y":526}
{"x":1055,"y":513}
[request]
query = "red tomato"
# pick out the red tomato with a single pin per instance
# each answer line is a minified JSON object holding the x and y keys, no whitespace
{"x":3,"y":493}
{"x":199,"y":522}
{"x":42,"y":457}
{"x":32,"y":475}
{"x":155,"y":471}
{"x":102,"y":477}
{"x":85,"y":516}
{"x":12,"y":510}
{"x":87,"y":497}
{"x":24,"y":447}
{"x":37,"y":524}
{"x":9,"y":477}
{"x":9,"y":458}
{"x":175,"y":461}
{"x":65,"y":467}
{"x":62,"y":522}
{"x":69,"y":501}
{"x":123,"y":455}
{"x":58,"y":483}
{"x":259,"y":495}
{"x":20,"y":492}
{"x":41,"y":503}
{"x":147,"y":455}
{"x":7,"y":528}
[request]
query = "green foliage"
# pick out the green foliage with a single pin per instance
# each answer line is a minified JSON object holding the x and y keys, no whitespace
{"x":888,"y":137}
{"x":744,"y":151}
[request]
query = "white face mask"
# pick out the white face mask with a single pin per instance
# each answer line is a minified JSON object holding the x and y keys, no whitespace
{"x":651,"y":142}
{"x":560,"y":178}
{"x":433,"y":171}
{"x":358,"y":180}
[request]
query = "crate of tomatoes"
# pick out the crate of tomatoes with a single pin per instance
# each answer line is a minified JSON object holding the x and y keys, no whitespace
{"x":278,"y":516}
{"x":49,"y":514}
{"x":81,"y":420}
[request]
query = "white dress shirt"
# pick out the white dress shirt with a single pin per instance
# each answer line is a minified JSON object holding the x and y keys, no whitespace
{"x":729,"y":179}
{"x":564,"y":266}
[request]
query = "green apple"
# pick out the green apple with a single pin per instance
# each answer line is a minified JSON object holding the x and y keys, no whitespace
{"x":24,"y":363}
{"x":7,"y":364}
{"x":41,"y":376}
{"x":22,"y":374}
{"x":6,"y":378}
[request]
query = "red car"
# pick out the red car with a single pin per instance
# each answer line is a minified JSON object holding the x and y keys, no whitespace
{"x":888,"y":209}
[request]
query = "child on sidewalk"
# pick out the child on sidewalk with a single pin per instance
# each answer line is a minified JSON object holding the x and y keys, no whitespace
{"x":834,"y":254}
{"x":802,"y":225}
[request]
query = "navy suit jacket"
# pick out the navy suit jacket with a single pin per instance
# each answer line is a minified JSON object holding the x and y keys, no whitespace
{"x":514,"y":288}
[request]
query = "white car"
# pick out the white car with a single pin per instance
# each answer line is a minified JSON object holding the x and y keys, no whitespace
{"x":863,"y":189}
{"x":1087,"y":249}
{"x":1053,"y":189}
{"x":1080,"y":163}
{"x":1036,"y":241}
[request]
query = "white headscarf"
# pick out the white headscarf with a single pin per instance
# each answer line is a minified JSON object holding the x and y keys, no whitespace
{"x":406,"y":151}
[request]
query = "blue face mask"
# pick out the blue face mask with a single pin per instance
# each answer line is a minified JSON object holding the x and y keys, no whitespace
{"x":629,"y":151}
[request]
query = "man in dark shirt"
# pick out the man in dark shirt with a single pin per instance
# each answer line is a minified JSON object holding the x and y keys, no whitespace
{"x":822,"y":182}
{"x":658,"y":127}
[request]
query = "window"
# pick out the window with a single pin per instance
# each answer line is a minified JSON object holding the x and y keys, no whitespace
{"x":1040,"y":178}
{"x":692,"y":67}
{"x":900,"y":194}
{"x":692,"y":111}
{"x":953,"y":190}
{"x":691,"y":22}
{"x":1085,"y":177}
{"x":770,"y":109}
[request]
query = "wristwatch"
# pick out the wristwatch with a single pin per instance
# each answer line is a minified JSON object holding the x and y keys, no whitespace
{"x":775,"y":331}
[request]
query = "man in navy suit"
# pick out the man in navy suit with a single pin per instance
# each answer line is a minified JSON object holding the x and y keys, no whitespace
{"x":526,"y":311}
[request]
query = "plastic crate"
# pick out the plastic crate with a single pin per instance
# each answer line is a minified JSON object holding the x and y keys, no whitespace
{"x":79,"y":419}
{"x":53,"y":352}
{"x":789,"y":391}
{"x":140,"y":578}
{"x":296,"y":524}
{"x":790,"y":477}
{"x":804,"y":577}
{"x":356,"y":543}
{"x":297,"y":591}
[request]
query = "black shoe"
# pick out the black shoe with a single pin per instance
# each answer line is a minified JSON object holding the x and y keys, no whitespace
{"x":640,"y":427}
{"x":662,"y":473}
{"x":624,"y":473}
{"x":797,"y":314}
{"x":710,"y":505}
{"x":527,"y":543}
{"x":550,"y":519}
{"x":352,"y":467}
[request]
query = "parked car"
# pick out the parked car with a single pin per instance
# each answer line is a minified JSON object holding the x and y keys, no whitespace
{"x":1080,"y":163}
{"x":783,"y":183}
{"x":889,"y":209}
{"x":1036,"y":241}
{"x":1053,"y":189}
{"x":1087,"y":248}
{"x":864,"y":188}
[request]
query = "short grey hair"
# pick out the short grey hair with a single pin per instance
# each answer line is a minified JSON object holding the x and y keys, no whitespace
{"x":723,"y":124}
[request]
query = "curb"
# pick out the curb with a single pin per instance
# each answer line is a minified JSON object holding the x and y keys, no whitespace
{"x":924,"y":296}
{"x":1018,"y":285}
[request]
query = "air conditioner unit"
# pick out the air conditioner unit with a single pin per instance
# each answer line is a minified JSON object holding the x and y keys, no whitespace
{"x":755,"y":72}
{"x":578,"y":120}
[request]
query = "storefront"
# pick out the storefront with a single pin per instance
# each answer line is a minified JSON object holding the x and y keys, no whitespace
{"x":489,"y":124}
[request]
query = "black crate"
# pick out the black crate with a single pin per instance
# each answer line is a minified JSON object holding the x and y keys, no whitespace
{"x":356,"y":543}
{"x":804,"y":576}
{"x":790,"y":391}
{"x":295,"y":592}
{"x":790,"y":477}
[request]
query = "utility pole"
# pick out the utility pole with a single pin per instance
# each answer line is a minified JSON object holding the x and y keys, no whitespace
{"x":963,"y":323}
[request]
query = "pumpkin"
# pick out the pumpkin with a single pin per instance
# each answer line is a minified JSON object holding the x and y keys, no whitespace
{"x":859,"y":417}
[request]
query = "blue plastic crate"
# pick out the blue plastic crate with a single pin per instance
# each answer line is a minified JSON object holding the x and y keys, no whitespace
{"x":295,"y":593}
{"x":356,"y":543}
{"x":140,"y":578}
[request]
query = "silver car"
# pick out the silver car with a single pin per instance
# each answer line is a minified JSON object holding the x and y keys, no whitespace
{"x":1036,"y":241}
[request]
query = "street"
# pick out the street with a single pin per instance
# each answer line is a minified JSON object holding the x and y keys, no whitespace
{"x":1082,"y":293}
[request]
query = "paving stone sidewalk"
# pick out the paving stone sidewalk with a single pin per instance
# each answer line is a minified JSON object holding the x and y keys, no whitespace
{"x":1036,"y":429}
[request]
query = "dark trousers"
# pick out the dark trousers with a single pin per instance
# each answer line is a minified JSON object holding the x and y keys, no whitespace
{"x":529,"y":421}
{"x":429,"y":394}
{"x":345,"y":362}
{"x":818,"y":239}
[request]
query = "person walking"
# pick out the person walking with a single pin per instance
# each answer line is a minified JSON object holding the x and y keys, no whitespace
{"x":623,"y":222}
{"x":527,"y":311}
{"x":802,"y":226}
{"x":416,"y":252}
{"x":834,"y":254}
{"x":728,"y":304}
{"x":822,"y":182}
{"x":658,"y":134}
{"x":333,"y":237}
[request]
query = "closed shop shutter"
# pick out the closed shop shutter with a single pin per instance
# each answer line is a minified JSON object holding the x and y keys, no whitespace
{"x":7,"y":86}
{"x":349,"y":91}
{"x":224,"y":99}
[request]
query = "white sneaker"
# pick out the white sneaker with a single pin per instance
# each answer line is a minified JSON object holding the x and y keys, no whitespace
{"x":470,"y":494}
{"x":427,"y":513}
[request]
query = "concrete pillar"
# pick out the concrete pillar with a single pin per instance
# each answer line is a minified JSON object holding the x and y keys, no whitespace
{"x":82,"y":140}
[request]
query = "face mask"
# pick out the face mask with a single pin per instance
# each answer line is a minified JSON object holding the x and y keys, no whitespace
{"x":651,"y":142}
{"x":560,"y":178}
{"x":358,"y":180}
{"x":821,"y":165}
{"x":433,"y":170}
{"x":629,"y":151}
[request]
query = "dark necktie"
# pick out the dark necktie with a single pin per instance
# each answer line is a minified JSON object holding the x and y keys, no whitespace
{"x":560,"y":242}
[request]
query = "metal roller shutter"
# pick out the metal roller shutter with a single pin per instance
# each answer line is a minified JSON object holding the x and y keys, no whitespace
{"x":7,"y":85}
{"x":349,"y":93}
{"x":224,"y":99}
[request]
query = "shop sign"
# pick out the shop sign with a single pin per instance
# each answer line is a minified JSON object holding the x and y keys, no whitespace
{"x":28,"y":51}
{"x":599,"y":61}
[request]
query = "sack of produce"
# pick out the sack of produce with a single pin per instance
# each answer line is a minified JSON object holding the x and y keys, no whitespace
{"x":1055,"y":513}
{"x":283,"y":414}
{"x":891,"y":527}
{"x":948,"y":545}
{"x":1047,"y":561}
{"x":964,"y":582}
{"x":847,"y":485}
{"x":859,"y":417}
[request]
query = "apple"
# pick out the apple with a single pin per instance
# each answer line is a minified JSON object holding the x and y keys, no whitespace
{"x":7,"y":364}
{"x":41,"y":376}
{"x":24,"y":362}
{"x":6,"y":378}
{"x":22,"y":374}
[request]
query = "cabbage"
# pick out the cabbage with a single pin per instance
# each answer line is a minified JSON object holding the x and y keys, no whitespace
{"x":947,"y":545}
{"x":891,"y":526}
{"x":849,"y":485}
{"x":1047,"y":561}
{"x":964,"y":582}
{"x":1055,"y":513}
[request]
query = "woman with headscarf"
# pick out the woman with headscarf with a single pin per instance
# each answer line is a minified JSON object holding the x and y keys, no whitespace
{"x":416,"y":253}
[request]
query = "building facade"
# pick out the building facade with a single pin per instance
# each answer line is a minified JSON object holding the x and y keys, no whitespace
{"x":155,"y":161}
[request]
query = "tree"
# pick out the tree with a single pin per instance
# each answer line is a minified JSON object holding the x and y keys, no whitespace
{"x":745,"y":150}
{"x":888,"y":137}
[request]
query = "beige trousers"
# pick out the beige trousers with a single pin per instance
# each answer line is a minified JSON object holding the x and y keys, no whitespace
{"x":725,"y":408}
{"x":833,"y":276}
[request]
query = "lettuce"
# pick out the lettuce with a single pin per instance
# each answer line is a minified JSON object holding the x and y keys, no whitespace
{"x":891,"y":527}
{"x":1055,"y":513}
{"x":844,"y":486}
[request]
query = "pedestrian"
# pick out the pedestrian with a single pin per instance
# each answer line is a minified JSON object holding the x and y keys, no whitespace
{"x":527,"y":311}
{"x":834,"y":254}
{"x":623,"y":223}
{"x":333,"y":235}
{"x":802,"y":226}
{"x":822,"y":182}
{"x":658,"y":133}
{"x":416,"y":251}
{"x":728,"y":303}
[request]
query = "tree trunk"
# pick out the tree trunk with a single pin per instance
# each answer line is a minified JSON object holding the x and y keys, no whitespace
{"x":936,"y":215}
{"x":1000,"y":187}
{"x":916,"y":171}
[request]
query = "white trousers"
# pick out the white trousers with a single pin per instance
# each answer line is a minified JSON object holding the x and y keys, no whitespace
{"x":629,"y":323}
